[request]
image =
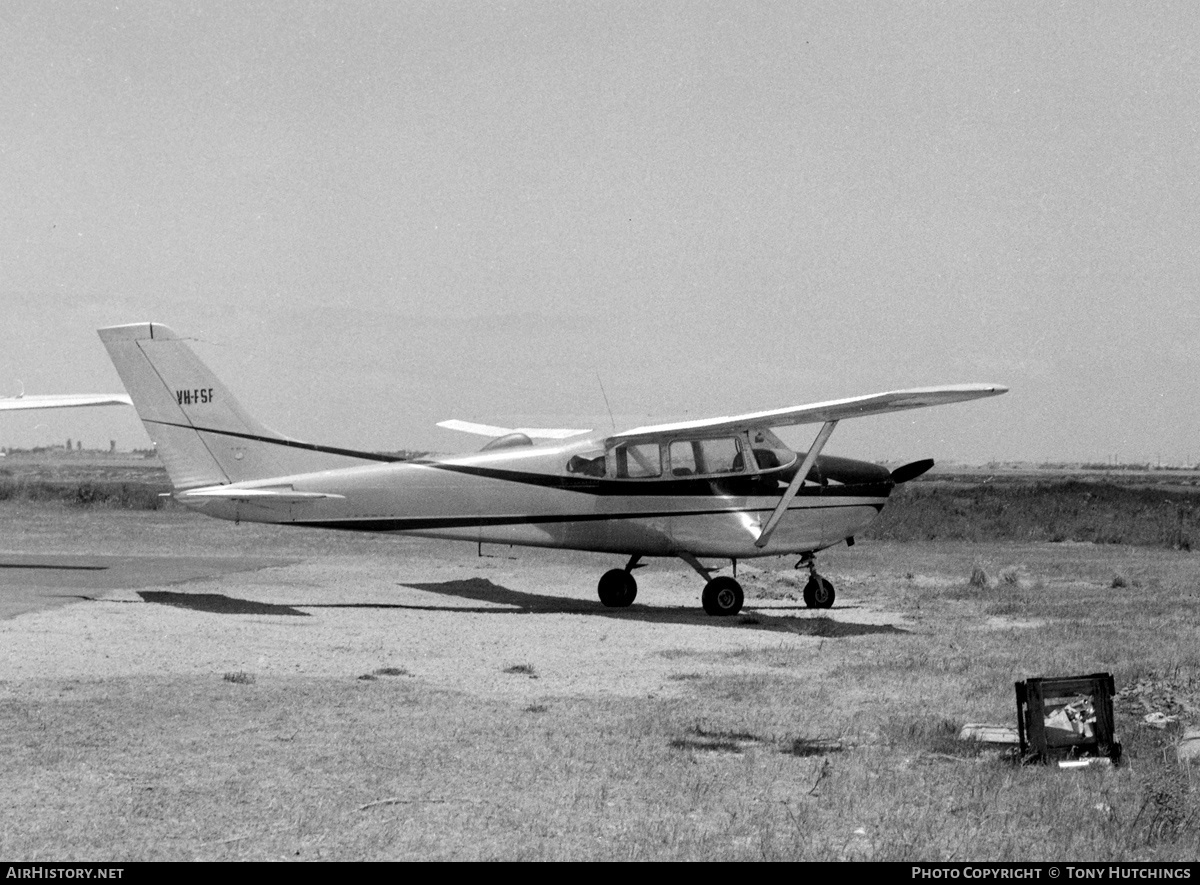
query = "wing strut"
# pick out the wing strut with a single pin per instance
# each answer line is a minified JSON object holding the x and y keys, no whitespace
{"x":809,"y":460}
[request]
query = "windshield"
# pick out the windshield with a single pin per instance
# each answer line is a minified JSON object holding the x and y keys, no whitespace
{"x":769,"y":450}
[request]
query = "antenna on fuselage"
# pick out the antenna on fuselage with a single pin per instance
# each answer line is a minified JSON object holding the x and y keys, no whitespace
{"x":611,"y":419}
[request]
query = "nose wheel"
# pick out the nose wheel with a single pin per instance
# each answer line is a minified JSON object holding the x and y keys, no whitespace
{"x":818,"y":591}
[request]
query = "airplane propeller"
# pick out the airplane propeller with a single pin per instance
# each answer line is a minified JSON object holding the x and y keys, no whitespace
{"x":911,"y":471}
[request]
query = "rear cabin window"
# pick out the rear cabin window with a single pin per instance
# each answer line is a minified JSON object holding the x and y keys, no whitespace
{"x":707,"y":456}
{"x":637,"y":460}
{"x":591,"y":464}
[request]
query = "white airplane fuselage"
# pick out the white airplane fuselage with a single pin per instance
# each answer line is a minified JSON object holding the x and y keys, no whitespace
{"x":526,"y":496}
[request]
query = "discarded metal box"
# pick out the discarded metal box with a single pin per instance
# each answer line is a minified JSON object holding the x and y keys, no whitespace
{"x":1067,"y":718}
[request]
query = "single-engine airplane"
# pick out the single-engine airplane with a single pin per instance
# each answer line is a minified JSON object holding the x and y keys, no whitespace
{"x":723,"y":487}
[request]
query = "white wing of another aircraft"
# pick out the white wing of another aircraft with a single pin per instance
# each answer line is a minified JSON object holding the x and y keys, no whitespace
{"x":833,"y":410}
{"x":63,"y":401}
{"x":493,"y":430}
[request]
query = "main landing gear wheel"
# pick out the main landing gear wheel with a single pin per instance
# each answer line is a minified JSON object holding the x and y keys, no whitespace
{"x":722,"y":596}
{"x":617,"y":588}
{"x":818,"y":592}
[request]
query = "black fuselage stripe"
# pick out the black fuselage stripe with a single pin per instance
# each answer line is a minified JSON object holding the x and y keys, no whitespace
{"x":287,"y":443}
{"x":753,"y":485}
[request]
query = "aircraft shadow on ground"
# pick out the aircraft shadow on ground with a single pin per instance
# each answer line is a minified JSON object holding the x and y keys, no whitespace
{"x":519,"y":602}
{"x":217,"y":603}
{"x":482,"y":590}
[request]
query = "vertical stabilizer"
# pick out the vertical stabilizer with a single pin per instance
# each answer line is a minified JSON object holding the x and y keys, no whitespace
{"x":202,"y":434}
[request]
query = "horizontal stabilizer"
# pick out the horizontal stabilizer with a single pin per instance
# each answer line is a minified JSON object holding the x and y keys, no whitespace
{"x":286,"y":495}
{"x":64,"y":401}
{"x":493,"y":430}
{"x":834,"y":410}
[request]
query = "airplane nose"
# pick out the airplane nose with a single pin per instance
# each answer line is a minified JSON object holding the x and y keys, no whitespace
{"x":848,"y":471}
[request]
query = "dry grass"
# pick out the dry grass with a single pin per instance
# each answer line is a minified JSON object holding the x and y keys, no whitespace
{"x":1043,"y":510}
{"x":391,"y":770}
{"x":101,"y":493}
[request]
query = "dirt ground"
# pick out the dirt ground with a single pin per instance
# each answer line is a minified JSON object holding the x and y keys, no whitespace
{"x":115,"y":603}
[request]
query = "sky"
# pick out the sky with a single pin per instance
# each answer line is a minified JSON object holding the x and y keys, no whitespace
{"x":373,"y":216}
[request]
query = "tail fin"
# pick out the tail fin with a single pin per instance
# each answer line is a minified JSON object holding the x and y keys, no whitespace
{"x":202,"y":434}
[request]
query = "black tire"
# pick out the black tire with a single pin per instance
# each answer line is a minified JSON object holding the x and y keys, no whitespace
{"x":617,"y":588}
{"x":722,"y":596}
{"x":818,"y":592}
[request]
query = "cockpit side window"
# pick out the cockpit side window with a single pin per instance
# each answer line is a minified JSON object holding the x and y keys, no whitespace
{"x":707,"y":456}
{"x":637,"y":460}
{"x":683,"y":459}
{"x":722,"y":455}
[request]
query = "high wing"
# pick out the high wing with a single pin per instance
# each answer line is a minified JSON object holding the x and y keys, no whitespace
{"x":494,"y":431}
{"x":833,"y":410}
{"x":64,"y":401}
